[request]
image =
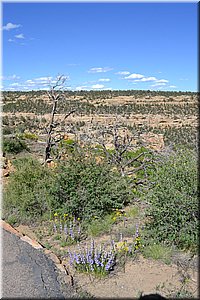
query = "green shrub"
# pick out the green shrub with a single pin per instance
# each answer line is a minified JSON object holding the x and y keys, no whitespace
{"x":7,"y":130}
{"x":29,"y":136}
{"x":173,"y":210}
{"x":100,"y":226}
{"x":13,"y":145}
{"x":27,"y":193}
{"x":85,"y":189}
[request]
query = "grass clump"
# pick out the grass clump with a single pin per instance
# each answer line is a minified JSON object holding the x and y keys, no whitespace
{"x":158,"y":252}
{"x":100,"y":226}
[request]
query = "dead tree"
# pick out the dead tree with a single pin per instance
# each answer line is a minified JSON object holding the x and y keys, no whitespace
{"x":121,"y":146}
{"x":117,"y":152}
{"x":55,"y":94}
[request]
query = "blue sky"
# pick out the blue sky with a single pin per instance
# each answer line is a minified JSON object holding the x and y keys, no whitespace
{"x":100,"y":45}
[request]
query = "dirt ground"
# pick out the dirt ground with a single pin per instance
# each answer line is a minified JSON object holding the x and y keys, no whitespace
{"x":139,"y":276}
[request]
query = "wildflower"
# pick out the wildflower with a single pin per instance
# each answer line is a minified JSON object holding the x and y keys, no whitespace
{"x":66,"y":230}
{"x":55,"y":215}
{"x":61,"y":228}
{"x":55,"y":228}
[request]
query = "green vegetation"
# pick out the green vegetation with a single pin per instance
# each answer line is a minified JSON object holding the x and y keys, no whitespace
{"x":173,"y":210}
{"x":158,"y":252}
{"x":27,"y":194}
{"x":100,"y":226}
{"x":14,"y":145}
{"x":78,"y":187}
{"x":86,"y":189}
{"x":143,"y":200}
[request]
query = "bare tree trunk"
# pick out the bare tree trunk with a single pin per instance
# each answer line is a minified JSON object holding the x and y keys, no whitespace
{"x":49,"y":136}
{"x":54,"y":96}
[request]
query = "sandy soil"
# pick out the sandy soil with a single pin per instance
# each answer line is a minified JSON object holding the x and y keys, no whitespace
{"x":140,"y":275}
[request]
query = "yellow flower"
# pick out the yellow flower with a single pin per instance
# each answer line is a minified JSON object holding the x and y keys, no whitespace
{"x":125,"y":249}
{"x":114,"y":218}
{"x":122,"y":246}
{"x":65,"y":215}
{"x":55,"y":215}
{"x":78,"y":219}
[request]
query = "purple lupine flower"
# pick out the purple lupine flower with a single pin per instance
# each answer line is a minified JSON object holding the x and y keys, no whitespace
{"x":71,"y":233}
{"x":112,"y":245}
{"x":82,"y":258}
{"x":65,"y":230}
{"x":76,"y":257}
{"x":79,"y":230}
{"x":137,"y":230}
{"x":54,"y":227}
{"x":88,"y":255}
{"x":92,"y":246}
{"x":91,"y":268}
{"x":96,"y":259}
{"x":130,"y":249}
{"x":71,"y":258}
{"x":61,"y":227}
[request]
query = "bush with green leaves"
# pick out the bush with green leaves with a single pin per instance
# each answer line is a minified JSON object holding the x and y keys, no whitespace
{"x":86,"y":189}
{"x":29,"y":136}
{"x":14,"y":145}
{"x":78,"y":186}
{"x":173,"y":211}
{"x":27,"y":194}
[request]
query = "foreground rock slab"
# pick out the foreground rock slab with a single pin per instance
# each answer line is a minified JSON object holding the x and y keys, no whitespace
{"x":27,"y":272}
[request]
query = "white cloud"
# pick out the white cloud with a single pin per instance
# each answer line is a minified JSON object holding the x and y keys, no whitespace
{"x":97,"y":86}
{"x":99,"y":70}
{"x":123,"y":73}
{"x":162,"y":80}
{"x":83,"y":87}
{"x":12,"y":77}
{"x":30,"y":82}
{"x":134,"y":76}
{"x":147,"y":79}
{"x":104,"y":79}
{"x":11,"y":40}
{"x":19,"y":36}
{"x":15,"y":84}
{"x":141,"y":78}
{"x":172,"y":86}
{"x":159,"y":84}
{"x":43,"y":78}
{"x":9,"y":89}
{"x":10,"y":26}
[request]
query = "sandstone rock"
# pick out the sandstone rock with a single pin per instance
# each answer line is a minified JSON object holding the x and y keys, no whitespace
{"x":33,"y":243}
{"x":25,"y":230}
{"x":153,"y":141}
